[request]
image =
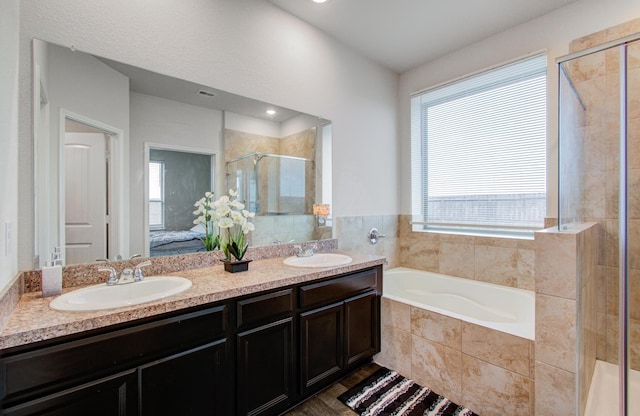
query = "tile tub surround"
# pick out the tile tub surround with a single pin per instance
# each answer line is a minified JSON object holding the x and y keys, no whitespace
{"x":489,"y":371}
{"x":502,"y":261}
{"x":33,"y":320}
{"x":567,"y":280}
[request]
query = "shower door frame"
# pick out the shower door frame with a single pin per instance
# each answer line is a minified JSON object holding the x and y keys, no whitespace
{"x":623,"y":265}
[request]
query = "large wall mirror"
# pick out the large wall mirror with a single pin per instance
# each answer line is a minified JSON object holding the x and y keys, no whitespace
{"x":121,"y":154}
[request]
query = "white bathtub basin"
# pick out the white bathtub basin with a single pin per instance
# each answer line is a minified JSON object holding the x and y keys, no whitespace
{"x":318,"y":260}
{"x":101,"y":296}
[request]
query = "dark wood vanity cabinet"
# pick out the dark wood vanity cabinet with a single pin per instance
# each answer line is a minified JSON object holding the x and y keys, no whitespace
{"x":173,"y":365}
{"x":256,"y":355}
{"x":265,"y":354}
{"x":339,"y":327}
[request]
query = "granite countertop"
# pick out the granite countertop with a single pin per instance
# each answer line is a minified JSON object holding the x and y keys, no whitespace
{"x":33,"y":320}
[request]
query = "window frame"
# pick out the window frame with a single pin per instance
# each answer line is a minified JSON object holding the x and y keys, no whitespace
{"x":419,"y":155}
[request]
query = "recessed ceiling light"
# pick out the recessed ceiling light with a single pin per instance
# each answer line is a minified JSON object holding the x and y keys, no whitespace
{"x":271,"y":112}
{"x":319,"y":1}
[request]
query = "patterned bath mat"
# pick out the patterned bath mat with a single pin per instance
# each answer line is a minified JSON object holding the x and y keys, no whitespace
{"x":387,"y":393}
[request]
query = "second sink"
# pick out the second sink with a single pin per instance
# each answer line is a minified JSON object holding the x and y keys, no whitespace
{"x":318,"y":260}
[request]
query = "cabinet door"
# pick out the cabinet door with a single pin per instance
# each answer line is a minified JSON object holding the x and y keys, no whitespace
{"x":188,"y":383}
{"x":362,"y":331}
{"x":109,"y":396}
{"x":321,"y":346}
{"x":266,"y":369}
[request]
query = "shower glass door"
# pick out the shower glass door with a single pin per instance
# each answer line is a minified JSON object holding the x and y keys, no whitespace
{"x":599,"y":181}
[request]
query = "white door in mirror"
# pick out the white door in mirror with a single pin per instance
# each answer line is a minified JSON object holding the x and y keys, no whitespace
{"x":98,"y":297}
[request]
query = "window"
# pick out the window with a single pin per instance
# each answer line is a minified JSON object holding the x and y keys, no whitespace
{"x":156,"y":195}
{"x":478,"y":151}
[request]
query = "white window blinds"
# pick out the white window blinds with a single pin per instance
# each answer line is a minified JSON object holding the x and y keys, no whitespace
{"x":478,"y":150}
{"x":156,"y":195}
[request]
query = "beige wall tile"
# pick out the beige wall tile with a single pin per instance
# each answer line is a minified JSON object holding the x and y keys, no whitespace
{"x":497,"y":265}
{"x":526,"y":269}
{"x":493,"y":391}
{"x":556,"y":331}
{"x":611,"y":243}
{"x":396,"y":314}
{"x":422,"y":255}
{"x":633,"y":326}
{"x":437,"y":367}
{"x":588,"y":41}
{"x":436,"y":327}
{"x":456,"y":259}
{"x":554,"y":391}
{"x":634,"y":294}
{"x":622,"y":30}
{"x":594,"y":199}
{"x":504,"y":350}
{"x":633,"y":239}
{"x":556,"y":264}
{"x":612,"y":338}
{"x":612,"y":293}
{"x":457,"y":238}
{"x":395,"y":350}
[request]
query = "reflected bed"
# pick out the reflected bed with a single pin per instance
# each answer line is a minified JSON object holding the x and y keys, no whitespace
{"x":168,"y":243}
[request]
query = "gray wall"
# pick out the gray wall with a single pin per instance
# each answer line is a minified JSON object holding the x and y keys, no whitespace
{"x":187,"y":177}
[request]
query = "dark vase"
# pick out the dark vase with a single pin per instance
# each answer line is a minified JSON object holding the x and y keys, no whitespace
{"x":236,"y":266}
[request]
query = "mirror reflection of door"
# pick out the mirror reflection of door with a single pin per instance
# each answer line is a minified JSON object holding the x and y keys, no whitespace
{"x":86,"y":193}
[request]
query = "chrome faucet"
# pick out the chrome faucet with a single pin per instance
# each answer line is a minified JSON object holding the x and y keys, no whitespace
{"x":307,"y":251}
{"x":128,"y":275}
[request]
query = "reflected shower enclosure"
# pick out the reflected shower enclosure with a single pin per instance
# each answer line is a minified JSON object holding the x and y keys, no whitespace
{"x":271,"y":184}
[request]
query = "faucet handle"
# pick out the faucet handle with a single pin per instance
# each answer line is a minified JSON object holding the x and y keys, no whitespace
{"x":113,"y":275}
{"x":137,"y":275}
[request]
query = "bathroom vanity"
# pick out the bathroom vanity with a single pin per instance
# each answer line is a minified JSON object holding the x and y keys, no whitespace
{"x":258,"y":353}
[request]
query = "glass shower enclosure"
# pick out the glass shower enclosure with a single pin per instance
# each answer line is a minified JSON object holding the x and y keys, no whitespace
{"x":599,"y":181}
{"x":271,"y":184}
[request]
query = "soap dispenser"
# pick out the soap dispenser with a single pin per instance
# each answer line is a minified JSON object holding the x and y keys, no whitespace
{"x":52,"y":275}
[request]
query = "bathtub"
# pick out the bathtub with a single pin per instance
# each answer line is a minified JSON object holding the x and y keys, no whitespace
{"x":497,"y":307}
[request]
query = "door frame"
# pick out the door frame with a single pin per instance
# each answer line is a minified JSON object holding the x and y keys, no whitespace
{"x":118,"y":241}
{"x":161,"y":146}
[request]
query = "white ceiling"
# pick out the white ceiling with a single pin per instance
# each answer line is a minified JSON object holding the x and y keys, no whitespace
{"x":403,"y":34}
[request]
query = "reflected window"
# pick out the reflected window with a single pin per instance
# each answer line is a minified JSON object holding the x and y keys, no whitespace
{"x":156,"y":195}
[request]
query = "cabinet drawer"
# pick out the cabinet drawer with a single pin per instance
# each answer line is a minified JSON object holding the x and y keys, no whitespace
{"x":264,"y":308}
{"x":338,"y":289}
{"x":47,"y":369}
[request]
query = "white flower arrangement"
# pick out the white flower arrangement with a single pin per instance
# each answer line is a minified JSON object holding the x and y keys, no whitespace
{"x":205,"y":216}
{"x":232,"y":220}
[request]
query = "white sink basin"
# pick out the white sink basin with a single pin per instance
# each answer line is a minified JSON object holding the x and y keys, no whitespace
{"x":101,"y":296}
{"x":318,"y":260}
